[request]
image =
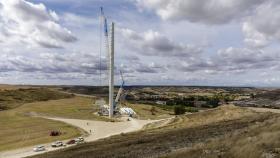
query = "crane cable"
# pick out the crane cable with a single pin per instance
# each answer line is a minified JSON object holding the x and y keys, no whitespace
{"x":100,"y":45}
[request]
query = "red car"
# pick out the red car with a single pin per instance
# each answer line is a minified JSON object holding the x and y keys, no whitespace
{"x":71,"y":142}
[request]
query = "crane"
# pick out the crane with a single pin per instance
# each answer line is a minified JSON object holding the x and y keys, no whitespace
{"x":109,"y":47}
{"x":120,"y":91}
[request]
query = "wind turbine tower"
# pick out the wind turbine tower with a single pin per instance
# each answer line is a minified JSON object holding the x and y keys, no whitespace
{"x":111,"y":72}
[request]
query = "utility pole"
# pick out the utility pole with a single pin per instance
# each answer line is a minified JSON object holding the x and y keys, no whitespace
{"x":111,"y":73}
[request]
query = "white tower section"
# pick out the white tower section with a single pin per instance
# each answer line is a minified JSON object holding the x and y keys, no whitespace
{"x":111,"y":73}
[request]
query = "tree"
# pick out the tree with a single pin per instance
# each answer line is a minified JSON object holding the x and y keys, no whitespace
{"x":179,"y":110}
{"x":153,"y":110}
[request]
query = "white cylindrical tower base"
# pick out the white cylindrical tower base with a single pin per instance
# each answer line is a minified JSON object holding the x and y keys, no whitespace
{"x":111,"y":74}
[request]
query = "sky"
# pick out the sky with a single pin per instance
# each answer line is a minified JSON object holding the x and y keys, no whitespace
{"x":158,"y":42}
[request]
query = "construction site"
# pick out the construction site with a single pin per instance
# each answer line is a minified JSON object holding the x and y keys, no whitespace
{"x":114,"y":119}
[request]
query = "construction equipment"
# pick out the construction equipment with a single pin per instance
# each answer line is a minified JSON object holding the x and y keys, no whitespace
{"x":112,"y":108}
{"x":120,"y":91}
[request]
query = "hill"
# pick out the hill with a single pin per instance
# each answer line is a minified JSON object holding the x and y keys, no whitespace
{"x":12,"y":98}
{"x":221,"y":132}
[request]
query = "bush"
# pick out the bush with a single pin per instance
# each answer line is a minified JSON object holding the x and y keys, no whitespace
{"x":153,"y":110}
{"x":55,"y":133}
{"x":214,"y":102}
{"x":179,"y":110}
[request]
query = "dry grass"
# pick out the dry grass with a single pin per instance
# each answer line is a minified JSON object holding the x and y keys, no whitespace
{"x":12,"y":87}
{"x":76,"y":108}
{"x":222,"y":113}
{"x":13,"y":98}
{"x":181,"y":134}
{"x":19,"y":129}
{"x":260,"y":139}
{"x":144,"y":111}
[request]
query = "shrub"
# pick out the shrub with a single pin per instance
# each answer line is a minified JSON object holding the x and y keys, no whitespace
{"x":179,"y":110}
{"x":214,"y":102}
{"x":55,"y":133}
{"x":153,"y":110}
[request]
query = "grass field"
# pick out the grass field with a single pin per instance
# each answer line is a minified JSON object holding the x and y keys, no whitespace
{"x":20,"y":128}
{"x":17,"y":130}
{"x":76,"y":107}
{"x":12,"y":98}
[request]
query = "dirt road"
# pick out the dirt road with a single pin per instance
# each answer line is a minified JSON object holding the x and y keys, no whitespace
{"x":95,"y":129}
{"x":265,"y":110}
{"x":100,"y":129}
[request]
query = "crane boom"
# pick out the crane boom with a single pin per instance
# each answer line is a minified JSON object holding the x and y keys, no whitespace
{"x":120,"y":90}
{"x":109,"y":45}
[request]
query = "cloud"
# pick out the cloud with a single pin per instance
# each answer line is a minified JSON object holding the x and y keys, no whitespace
{"x":77,"y":21}
{"x":264,"y":26}
{"x":194,"y":65}
{"x":152,"y":43}
{"x":246,"y":59}
{"x":135,"y":66}
{"x":34,"y":24}
{"x":230,"y":60}
{"x":53,"y":63}
{"x":150,"y":68}
{"x":201,"y":11}
{"x":253,"y":38}
{"x":246,"y":55}
{"x":151,"y":51}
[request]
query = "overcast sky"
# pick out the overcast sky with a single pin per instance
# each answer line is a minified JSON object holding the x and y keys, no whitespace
{"x":174,"y":42}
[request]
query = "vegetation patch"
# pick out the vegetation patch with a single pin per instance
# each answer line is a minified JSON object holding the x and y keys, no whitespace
{"x":179,"y":110}
{"x":13,"y":98}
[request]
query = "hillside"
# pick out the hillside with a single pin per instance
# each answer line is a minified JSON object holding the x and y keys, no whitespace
{"x":269,"y":98}
{"x":221,"y":132}
{"x":20,"y":128}
{"x":12,"y":98}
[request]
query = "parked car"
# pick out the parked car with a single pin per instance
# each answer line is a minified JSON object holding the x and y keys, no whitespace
{"x":57,"y":144}
{"x":82,"y":139}
{"x":71,"y":142}
{"x":79,"y":140}
{"x":39,"y":148}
